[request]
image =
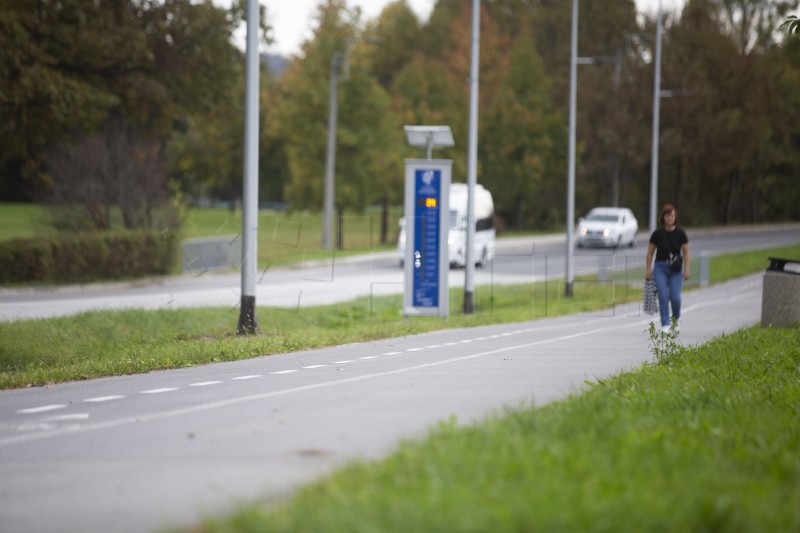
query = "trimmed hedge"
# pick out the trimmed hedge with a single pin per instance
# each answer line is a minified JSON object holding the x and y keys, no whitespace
{"x":84,"y":257}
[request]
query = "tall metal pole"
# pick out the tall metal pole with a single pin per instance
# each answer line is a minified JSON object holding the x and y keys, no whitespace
{"x":472,"y":161}
{"x":656,"y":117}
{"x":330,"y":159}
{"x":247,"y":308}
{"x":573,"y":74}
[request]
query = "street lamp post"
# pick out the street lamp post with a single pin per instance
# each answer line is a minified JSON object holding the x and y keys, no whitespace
{"x":330,"y":158}
{"x":656,"y":114}
{"x":472,"y":162}
{"x":573,"y":74}
{"x":247,"y":308}
{"x":569,"y":271}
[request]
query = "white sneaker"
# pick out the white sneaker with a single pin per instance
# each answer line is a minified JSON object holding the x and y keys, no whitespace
{"x":665,"y":329}
{"x":677,"y":327}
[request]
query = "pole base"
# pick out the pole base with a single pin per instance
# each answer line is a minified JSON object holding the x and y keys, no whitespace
{"x":469,"y":306}
{"x":247,"y":316}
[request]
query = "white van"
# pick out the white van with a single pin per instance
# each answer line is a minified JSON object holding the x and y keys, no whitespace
{"x":457,"y":235}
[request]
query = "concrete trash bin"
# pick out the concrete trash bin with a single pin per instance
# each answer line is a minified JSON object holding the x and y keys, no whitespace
{"x":780,"y":302}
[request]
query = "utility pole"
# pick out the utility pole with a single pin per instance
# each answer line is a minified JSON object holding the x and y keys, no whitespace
{"x":573,"y":74}
{"x":656,"y":117}
{"x":569,"y":270}
{"x":247,"y":307}
{"x":330,"y":159}
{"x":472,"y":161}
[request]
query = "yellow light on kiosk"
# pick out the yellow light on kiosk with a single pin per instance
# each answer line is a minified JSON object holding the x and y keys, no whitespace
{"x":430,"y":202}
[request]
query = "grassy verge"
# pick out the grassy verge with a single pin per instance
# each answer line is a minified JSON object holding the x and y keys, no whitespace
{"x":107,"y":343}
{"x":706,"y":440}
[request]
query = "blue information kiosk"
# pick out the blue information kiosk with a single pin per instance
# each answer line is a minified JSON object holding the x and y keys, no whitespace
{"x":427,"y":215}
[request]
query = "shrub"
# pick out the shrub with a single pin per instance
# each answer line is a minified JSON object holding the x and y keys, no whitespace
{"x":84,"y":257}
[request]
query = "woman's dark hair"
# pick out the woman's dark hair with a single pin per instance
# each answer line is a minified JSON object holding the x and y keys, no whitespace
{"x":668,"y":208}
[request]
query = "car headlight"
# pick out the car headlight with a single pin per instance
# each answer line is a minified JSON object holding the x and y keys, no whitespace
{"x":606,"y":232}
{"x":583,"y":231}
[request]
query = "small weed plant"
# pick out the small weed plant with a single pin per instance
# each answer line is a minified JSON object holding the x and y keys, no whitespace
{"x":665,"y":344}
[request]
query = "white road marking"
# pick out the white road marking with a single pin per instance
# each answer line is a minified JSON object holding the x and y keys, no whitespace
{"x":314,"y":366}
{"x":204,"y":383}
{"x":450,"y":343}
{"x":252,"y":376}
{"x":369,"y":357}
{"x":42,"y":409}
{"x":432,"y":346}
{"x":343,"y":362}
{"x":392,"y":353}
{"x":63,"y":418}
{"x":158,"y":391}
{"x":282,"y":372}
{"x":414,"y":349}
{"x":99,"y":399}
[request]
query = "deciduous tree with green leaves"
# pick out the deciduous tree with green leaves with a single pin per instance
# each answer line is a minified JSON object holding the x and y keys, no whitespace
{"x":369,"y":143}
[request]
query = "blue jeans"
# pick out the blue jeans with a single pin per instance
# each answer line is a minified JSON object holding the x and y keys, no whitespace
{"x":669,"y":285}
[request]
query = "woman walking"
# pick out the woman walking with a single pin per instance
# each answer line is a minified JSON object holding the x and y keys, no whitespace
{"x":670,"y":245}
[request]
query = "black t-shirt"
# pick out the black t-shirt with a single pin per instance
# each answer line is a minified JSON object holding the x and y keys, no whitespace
{"x":663,"y":238}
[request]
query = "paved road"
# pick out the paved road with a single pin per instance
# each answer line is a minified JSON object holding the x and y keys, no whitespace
{"x":138,"y":453}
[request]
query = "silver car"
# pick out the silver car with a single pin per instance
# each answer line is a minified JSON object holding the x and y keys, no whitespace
{"x":608,"y":227}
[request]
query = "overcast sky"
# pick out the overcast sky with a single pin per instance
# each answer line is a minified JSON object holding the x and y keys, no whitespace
{"x":292,"y":20}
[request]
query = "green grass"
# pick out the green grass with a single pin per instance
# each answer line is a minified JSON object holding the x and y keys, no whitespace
{"x":22,"y":221}
{"x":708,"y":440}
{"x":105,"y":343}
{"x":734,"y":265}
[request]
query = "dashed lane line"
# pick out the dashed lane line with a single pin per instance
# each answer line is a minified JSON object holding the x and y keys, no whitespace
{"x":42,"y":409}
{"x":162,"y":390}
{"x":66,"y":418}
{"x":100,"y":399}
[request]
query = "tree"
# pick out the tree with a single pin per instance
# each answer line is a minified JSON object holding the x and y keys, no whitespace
{"x":73,"y":65}
{"x":716,"y":139}
{"x":115,"y":168}
{"x":393,"y":40}
{"x":751,"y":23}
{"x":517,"y":138}
{"x":367,"y":137}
